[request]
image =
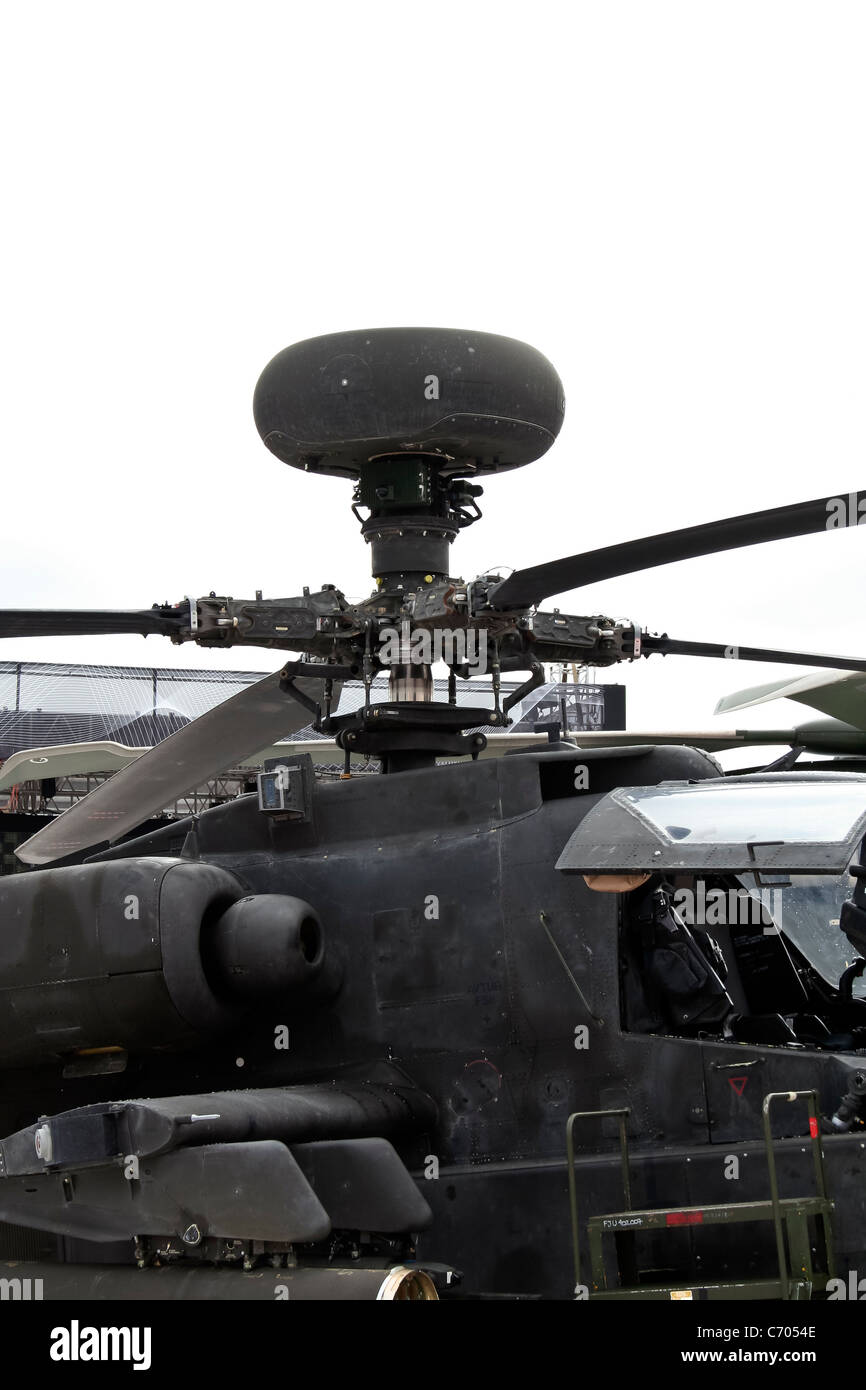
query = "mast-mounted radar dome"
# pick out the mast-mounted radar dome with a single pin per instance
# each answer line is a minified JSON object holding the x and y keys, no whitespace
{"x":477,"y":400}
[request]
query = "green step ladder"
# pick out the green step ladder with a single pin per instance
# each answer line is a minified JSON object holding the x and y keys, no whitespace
{"x":797,"y":1277}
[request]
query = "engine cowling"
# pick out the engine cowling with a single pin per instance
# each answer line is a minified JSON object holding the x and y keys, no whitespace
{"x":145,"y":954}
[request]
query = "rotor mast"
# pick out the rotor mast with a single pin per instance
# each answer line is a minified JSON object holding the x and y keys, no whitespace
{"x":412,"y":417}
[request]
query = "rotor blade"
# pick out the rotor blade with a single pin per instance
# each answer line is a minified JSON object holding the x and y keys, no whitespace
{"x":78,"y":622}
{"x":214,"y":741}
{"x":530,"y":586}
{"x":670,"y":646}
{"x":843,"y":697}
{"x":713,"y":740}
{"x":821,"y":735}
{"x":66,"y":760}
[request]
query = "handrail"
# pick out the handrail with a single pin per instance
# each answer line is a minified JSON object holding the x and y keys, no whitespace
{"x":818,"y":1159}
{"x":622,"y":1116}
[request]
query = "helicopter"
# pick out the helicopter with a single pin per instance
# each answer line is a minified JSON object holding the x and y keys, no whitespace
{"x":535,"y":1025}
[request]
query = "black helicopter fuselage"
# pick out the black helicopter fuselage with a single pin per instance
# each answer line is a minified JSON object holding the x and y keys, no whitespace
{"x":456,"y":956}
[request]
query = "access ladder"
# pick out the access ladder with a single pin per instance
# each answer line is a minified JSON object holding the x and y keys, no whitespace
{"x":797,"y":1276}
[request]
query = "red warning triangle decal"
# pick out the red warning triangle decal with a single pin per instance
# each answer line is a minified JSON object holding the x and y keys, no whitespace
{"x":738,"y":1083}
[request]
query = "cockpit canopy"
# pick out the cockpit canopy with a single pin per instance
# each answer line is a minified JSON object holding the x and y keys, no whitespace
{"x":764,"y":823}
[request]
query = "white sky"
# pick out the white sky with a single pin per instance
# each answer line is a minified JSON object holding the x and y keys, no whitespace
{"x":666,"y":199}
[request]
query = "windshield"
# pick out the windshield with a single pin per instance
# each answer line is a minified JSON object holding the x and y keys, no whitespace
{"x":807,"y":909}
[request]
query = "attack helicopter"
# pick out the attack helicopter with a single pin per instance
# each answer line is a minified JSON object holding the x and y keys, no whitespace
{"x":532,"y":1025}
